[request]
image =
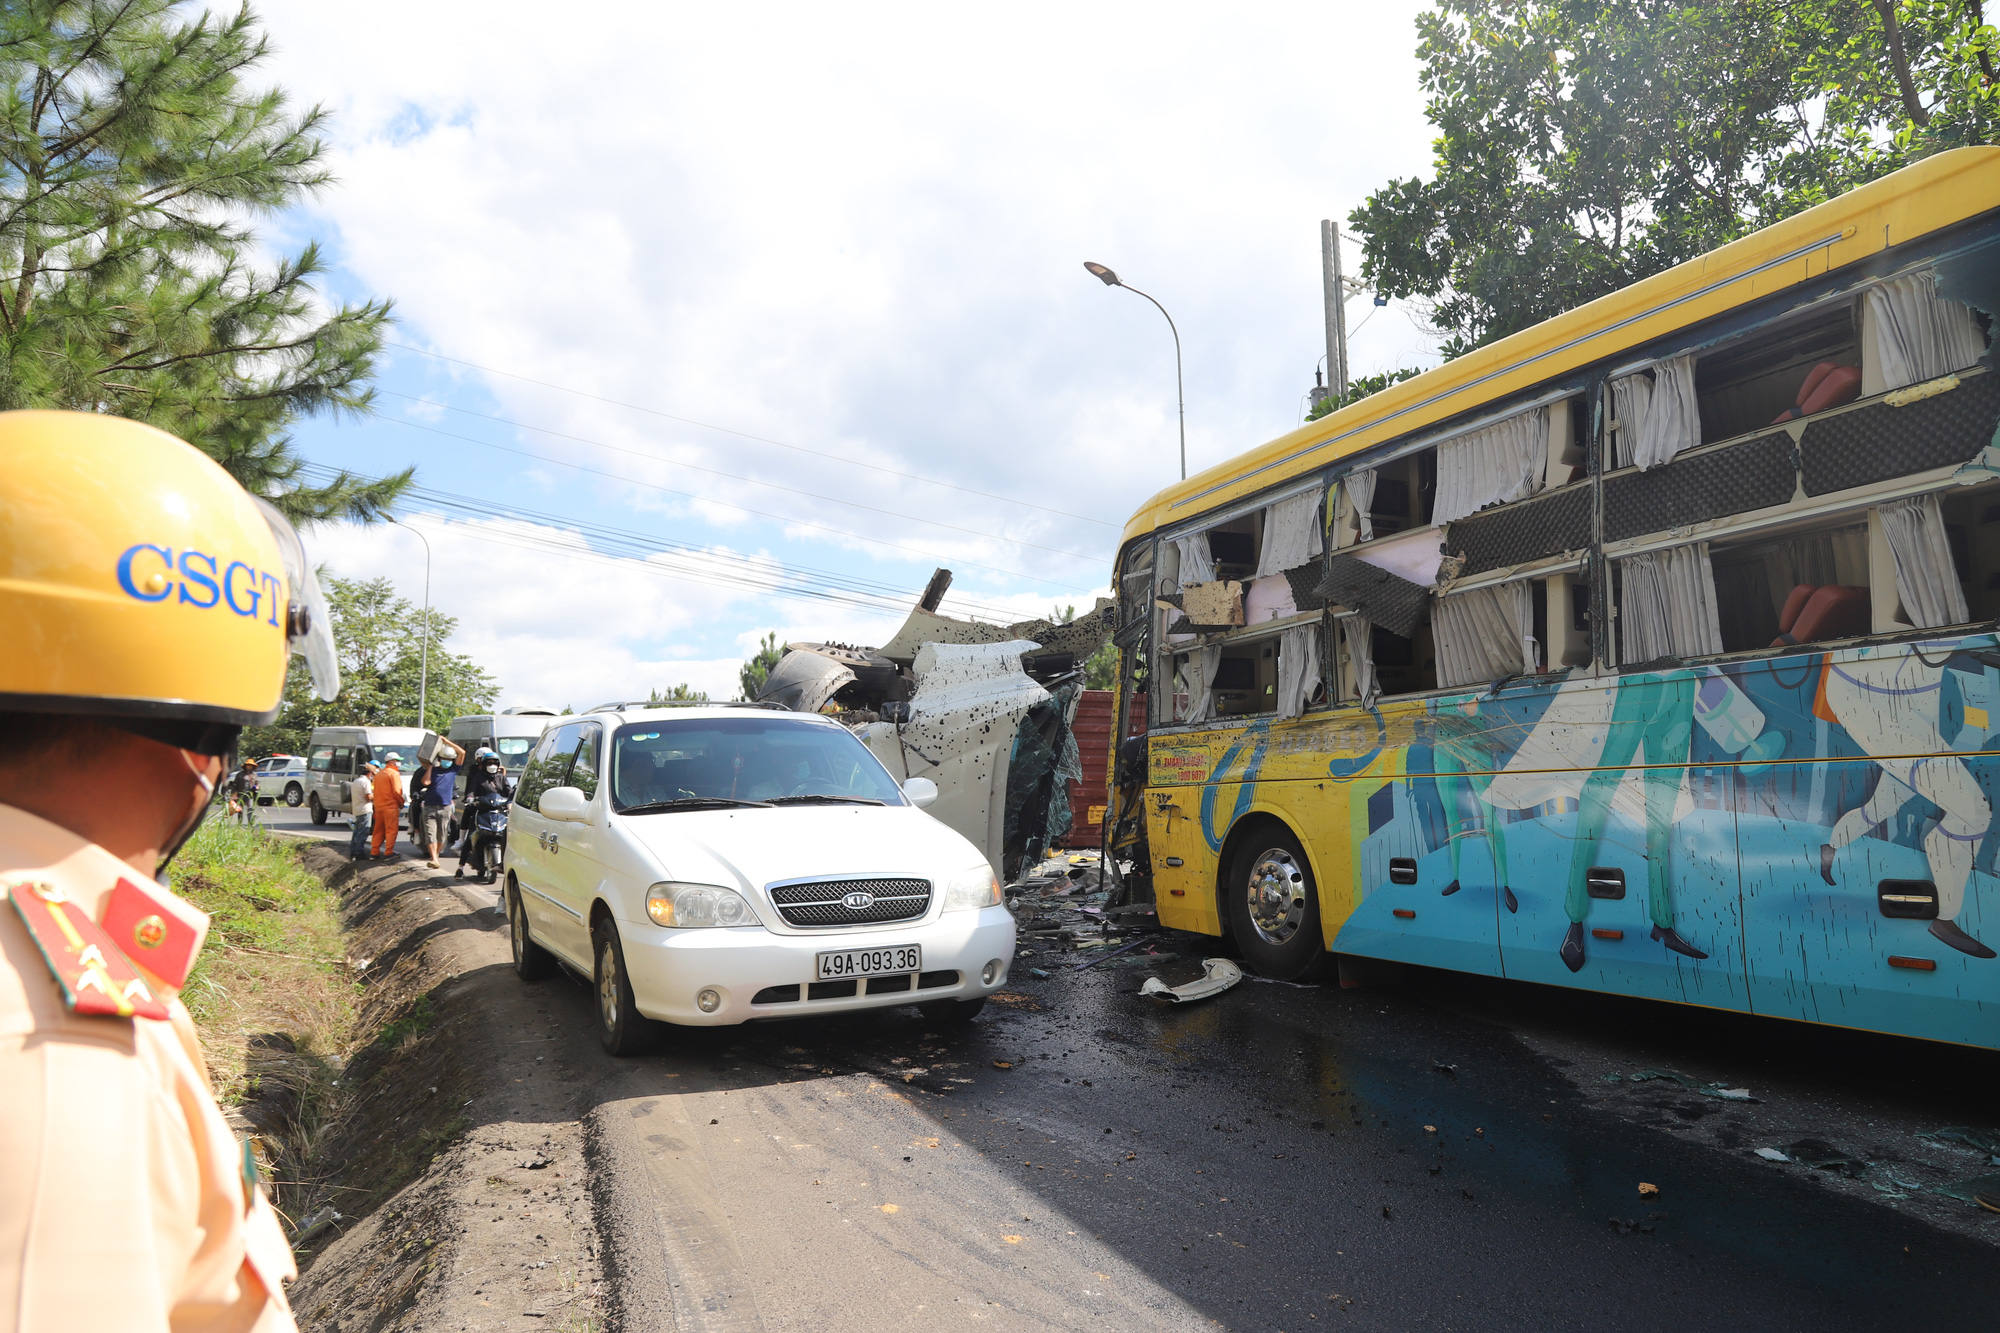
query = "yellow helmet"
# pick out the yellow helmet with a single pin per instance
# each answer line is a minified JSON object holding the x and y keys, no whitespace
{"x":139,"y":582}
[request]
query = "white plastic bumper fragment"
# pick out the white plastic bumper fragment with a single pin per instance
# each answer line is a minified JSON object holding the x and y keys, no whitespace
{"x":1219,"y":974}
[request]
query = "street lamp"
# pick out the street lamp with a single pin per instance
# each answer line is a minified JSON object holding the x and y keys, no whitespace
{"x":1110,"y":279}
{"x":424,"y":662}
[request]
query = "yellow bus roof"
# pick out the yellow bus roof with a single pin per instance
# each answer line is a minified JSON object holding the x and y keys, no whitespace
{"x":1932,"y":194}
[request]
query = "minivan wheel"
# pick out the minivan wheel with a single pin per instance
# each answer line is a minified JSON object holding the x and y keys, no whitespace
{"x":951,"y":1013}
{"x":295,"y":795}
{"x":318,"y":810}
{"x":1273,"y":907}
{"x":621,"y":1029}
{"x":531,"y":961}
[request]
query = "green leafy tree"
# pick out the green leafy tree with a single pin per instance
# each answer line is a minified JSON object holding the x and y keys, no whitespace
{"x":682,"y":693}
{"x":1585,"y":144}
{"x":379,"y":638}
{"x":1357,"y":389}
{"x":757,"y":670}
{"x":134,"y":159}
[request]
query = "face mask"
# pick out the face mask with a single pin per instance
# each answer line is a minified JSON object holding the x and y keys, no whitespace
{"x":193,"y":821}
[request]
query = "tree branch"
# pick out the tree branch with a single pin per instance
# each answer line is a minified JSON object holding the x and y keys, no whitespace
{"x":1899,"y":60}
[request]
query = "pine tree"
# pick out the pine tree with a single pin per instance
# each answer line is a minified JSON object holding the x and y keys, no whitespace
{"x":134,"y":160}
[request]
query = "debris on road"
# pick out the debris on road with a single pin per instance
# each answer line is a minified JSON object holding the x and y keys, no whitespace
{"x":1772,"y":1155}
{"x":1824,"y":1156}
{"x":1981,"y":1191}
{"x":1979,"y":1140}
{"x":1648,"y":1190}
{"x":1691,"y":1084}
{"x":1218,"y":975}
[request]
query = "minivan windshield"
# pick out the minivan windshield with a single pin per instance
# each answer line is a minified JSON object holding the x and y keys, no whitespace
{"x":715,"y":760}
{"x":514,"y":750}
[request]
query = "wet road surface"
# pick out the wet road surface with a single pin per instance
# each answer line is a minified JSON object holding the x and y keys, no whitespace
{"x":1276,"y":1158}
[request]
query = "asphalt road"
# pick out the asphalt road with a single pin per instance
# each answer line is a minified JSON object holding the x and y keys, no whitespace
{"x":1275,"y":1158}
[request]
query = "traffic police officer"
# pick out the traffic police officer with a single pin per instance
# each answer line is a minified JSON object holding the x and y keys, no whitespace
{"x":149,"y":607}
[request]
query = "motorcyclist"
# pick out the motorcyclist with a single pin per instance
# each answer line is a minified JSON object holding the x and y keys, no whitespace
{"x":151,"y":606}
{"x":487,"y":778}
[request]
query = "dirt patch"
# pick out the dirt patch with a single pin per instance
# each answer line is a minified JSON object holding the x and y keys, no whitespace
{"x":455,"y":1157}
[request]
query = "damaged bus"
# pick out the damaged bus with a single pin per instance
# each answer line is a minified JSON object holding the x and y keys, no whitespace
{"x":1649,"y":651}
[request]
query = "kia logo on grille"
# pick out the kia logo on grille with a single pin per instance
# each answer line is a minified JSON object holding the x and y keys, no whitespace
{"x":858,"y":902}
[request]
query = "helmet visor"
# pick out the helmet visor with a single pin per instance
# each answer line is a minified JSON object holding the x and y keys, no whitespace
{"x":309,"y":625}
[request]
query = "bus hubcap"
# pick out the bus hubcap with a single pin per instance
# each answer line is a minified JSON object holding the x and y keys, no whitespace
{"x":1277,"y":896}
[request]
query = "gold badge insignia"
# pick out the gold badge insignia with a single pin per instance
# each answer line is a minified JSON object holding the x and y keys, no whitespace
{"x":149,"y":933}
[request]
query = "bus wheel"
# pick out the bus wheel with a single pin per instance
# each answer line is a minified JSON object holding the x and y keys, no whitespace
{"x":1273,"y":907}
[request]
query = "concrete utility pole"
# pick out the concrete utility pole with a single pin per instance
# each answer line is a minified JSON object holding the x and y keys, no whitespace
{"x":1336,"y":308}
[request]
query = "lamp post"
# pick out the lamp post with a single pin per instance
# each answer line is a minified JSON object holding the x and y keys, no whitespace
{"x":1110,"y":279}
{"x":424,"y":662}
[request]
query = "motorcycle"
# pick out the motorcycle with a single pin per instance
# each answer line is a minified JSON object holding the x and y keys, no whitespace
{"x":488,"y":835}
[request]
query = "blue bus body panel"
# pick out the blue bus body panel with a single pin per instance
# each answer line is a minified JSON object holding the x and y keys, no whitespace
{"x":1755,"y":811}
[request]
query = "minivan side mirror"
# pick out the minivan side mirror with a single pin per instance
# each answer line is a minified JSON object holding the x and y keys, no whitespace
{"x":920,"y":792}
{"x":564,"y":803}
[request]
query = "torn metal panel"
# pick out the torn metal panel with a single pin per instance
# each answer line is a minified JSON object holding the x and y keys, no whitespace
{"x":1218,"y":975}
{"x":1079,"y":638}
{"x":970,"y":701}
{"x":805,"y":681}
{"x":1219,"y":603}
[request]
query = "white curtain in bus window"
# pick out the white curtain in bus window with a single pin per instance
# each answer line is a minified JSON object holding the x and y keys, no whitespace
{"x":1361,"y":494}
{"x":1919,"y":335}
{"x":1666,"y":605}
{"x":1197,"y":561}
{"x":1298,"y":668}
{"x":1926,"y":579}
{"x":1657,"y":417}
{"x":1197,"y":682}
{"x":1359,"y":635}
{"x":1484,"y":634}
{"x":1291,"y":533}
{"x":1492,"y":465}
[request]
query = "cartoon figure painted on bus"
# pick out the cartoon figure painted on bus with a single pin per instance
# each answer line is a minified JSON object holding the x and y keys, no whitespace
{"x":1896,"y":705}
{"x":1464,"y":760}
{"x":1653,"y":713}
{"x":1577,"y":746}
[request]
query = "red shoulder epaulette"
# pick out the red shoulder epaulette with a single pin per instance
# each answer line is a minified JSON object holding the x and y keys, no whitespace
{"x":95,"y":976}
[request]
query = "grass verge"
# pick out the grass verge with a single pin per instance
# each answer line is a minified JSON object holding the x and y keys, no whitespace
{"x":271,"y":994}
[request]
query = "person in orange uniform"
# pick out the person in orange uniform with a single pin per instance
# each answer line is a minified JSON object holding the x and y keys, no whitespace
{"x":389,"y":793}
{"x":149,"y":607}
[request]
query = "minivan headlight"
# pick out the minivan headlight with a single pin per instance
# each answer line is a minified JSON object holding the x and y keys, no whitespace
{"x":686,"y":906}
{"x":969,"y":889}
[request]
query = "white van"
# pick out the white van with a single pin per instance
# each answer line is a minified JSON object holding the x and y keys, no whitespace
{"x":511,"y":733}
{"x":336,"y":754}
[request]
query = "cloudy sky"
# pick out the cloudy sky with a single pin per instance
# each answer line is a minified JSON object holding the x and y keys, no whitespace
{"x":719,"y":320}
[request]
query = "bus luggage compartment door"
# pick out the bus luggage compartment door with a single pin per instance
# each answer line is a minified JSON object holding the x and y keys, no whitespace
{"x":1844,"y":890}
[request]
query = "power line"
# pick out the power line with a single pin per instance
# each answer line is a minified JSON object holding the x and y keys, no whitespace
{"x":736,"y":476}
{"x":688,"y":561}
{"x":761,"y":439}
{"x":691,"y":495}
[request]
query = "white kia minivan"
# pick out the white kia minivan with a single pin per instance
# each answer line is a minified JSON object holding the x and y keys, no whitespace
{"x":715,"y":864}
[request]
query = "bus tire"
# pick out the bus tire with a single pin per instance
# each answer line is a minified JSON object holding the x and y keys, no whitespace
{"x":1271,"y":902}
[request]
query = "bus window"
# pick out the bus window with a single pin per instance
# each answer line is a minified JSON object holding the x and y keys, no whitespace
{"x":1808,"y":585}
{"x":1972,"y":530}
{"x":1778,"y":373}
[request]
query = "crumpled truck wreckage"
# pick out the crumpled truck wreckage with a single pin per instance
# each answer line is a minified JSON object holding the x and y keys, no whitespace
{"x":984,"y":711}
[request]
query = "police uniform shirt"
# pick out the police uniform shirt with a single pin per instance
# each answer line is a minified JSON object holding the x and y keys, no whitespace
{"x":123,"y":1204}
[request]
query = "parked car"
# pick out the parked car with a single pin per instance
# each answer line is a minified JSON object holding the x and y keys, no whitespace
{"x":335,"y":754}
{"x":715,"y":864}
{"x":282,"y":777}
